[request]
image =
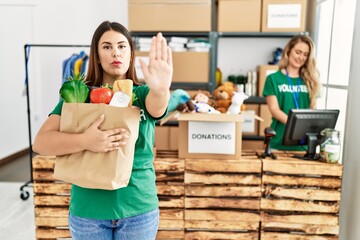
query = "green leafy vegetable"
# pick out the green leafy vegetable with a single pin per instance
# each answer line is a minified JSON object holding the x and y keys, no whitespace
{"x":74,"y":90}
{"x":134,"y":97}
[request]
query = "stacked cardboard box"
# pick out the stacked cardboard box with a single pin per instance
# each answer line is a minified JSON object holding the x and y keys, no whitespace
{"x":283,"y":15}
{"x":170,"y":15}
{"x":239,"y":15}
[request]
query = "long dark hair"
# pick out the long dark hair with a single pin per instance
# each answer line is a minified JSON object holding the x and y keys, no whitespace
{"x":94,"y":74}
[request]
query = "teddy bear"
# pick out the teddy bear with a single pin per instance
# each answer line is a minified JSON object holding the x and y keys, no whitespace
{"x":222,"y":96}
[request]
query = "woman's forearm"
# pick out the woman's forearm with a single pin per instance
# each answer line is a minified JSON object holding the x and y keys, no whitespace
{"x":157,"y":102}
{"x":275,"y":110}
{"x":56,"y":143}
{"x":279,"y":115}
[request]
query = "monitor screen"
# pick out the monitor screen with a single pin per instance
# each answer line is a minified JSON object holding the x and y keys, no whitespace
{"x":303,"y":127}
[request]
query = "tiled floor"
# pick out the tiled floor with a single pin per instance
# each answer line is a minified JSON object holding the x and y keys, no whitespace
{"x":16,"y":215}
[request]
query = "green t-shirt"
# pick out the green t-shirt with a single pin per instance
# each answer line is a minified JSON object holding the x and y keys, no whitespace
{"x":277,"y":84}
{"x":140,"y":196}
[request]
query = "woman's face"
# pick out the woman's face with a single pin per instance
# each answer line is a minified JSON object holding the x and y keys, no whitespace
{"x":299,"y":55}
{"x":114,"y":56}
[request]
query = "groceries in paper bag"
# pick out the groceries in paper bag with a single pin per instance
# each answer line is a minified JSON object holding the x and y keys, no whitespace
{"x":105,"y":170}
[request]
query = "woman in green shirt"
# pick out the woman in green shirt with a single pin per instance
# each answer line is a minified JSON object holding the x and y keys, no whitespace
{"x":295,"y":85}
{"x":130,"y":212}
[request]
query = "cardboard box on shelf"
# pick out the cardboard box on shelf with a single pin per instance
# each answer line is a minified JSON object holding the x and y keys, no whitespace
{"x":166,"y":137}
{"x":239,"y":16}
{"x":283,"y":15}
{"x":214,"y":136}
{"x":250,"y":125}
{"x":170,"y":15}
{"x":264,"y":71}
{"x":253,"y":145}
{"x":188,"y":66}
{"x":266,"y":116}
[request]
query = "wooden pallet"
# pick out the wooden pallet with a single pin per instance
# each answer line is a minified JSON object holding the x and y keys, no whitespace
{"x":52,"y":198}
{"x":170,"y":186}
{"x":222,"y":198}
{"x":300,"y":199}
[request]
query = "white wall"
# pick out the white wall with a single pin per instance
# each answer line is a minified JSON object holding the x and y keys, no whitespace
{"x":350,"y":202}
{"x":239,"y":55}
{"x":41,"y":22}
{"x":15,"y":20}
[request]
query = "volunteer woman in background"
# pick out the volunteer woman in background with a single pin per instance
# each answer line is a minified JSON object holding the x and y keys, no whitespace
{"x":130,"y":212}
{"x":295,"y":85}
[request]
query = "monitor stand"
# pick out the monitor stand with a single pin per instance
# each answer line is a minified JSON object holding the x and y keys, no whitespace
{"x":311,"y":154}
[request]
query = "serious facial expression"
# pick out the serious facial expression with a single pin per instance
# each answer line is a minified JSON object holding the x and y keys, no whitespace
{"x":114,"y":56}
{"x":298,"y":55}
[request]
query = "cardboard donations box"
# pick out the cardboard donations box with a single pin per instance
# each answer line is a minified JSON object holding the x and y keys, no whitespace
{"x":214,"y":136}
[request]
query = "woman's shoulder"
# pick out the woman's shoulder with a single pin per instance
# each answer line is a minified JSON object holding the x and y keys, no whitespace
{"x":277,"y":75}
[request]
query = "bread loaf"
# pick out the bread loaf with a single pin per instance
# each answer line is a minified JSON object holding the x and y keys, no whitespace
{"x":126,"y":86}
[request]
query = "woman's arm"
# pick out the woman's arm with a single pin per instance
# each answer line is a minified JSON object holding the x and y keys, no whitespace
{"x":158,"y":76}
{"x":50,"y":141}
{"x":275,"y":110}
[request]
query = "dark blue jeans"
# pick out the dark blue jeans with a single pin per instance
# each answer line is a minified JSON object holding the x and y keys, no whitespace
{"x":143,"y":226}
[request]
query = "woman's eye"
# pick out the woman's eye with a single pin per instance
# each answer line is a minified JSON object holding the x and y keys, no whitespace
{"x":122,"y":46}
{"x":106,"y":47}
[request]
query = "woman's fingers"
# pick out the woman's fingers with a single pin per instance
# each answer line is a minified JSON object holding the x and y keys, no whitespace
{"x":159,"y":44}
{"x":169,"y":56}
{"x":152,"y":53}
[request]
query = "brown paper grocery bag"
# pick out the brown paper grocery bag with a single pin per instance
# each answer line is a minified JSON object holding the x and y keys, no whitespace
{"x":111,"y":170}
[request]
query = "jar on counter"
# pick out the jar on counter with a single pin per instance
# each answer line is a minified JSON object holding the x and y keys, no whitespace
{"x":330,"y":145}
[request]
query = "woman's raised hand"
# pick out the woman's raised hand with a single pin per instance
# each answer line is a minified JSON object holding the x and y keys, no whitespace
{"x":158,"y":74}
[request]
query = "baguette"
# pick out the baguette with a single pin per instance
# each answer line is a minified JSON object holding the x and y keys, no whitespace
{"x":125,"y":86}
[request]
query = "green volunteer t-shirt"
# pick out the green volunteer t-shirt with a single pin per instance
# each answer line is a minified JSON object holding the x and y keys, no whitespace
{"x":277,"y":84}
{"x":140,"y":196}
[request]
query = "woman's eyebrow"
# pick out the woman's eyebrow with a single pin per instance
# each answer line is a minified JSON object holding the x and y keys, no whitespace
{"x":105,"y":42}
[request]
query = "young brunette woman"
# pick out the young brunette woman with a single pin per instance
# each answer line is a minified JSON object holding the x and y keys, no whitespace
{"x":132,"y":212}
{"x":294,"y":86}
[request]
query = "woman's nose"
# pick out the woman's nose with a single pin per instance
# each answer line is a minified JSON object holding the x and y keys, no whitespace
{"x":116,"y":52}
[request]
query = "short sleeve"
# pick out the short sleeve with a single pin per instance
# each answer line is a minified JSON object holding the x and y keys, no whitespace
{"x":269,"y":87}
{"x":58,"y":108}
{"x":141,"y":92}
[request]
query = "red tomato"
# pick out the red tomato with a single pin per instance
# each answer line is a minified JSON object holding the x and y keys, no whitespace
{"x":101,"y":95}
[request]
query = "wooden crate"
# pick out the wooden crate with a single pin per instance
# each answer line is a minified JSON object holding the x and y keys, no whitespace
{"x":300,"y":199}
{"x":52,"y":198}
{"x":170,"y":186}
{"x":222,"y":198}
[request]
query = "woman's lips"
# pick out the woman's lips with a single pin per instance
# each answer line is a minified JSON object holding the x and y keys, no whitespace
{"x":116,"y":63}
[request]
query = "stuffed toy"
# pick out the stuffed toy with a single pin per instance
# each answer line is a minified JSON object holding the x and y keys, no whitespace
{"x":203,"y":103}
{"x":236,"y":102}
{"x":178,"y":97}
{"x":222,"y":96}
{"x":205,"y":108}
{"x":276,"y":56}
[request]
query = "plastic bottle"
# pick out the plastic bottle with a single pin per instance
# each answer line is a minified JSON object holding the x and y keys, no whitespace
{"x":254,"y":83}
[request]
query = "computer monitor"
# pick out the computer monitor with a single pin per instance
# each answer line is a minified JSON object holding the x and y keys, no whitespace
{"x":303,"y":127}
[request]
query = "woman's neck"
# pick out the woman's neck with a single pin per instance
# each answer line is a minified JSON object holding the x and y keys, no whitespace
{"x":293,"y":72}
